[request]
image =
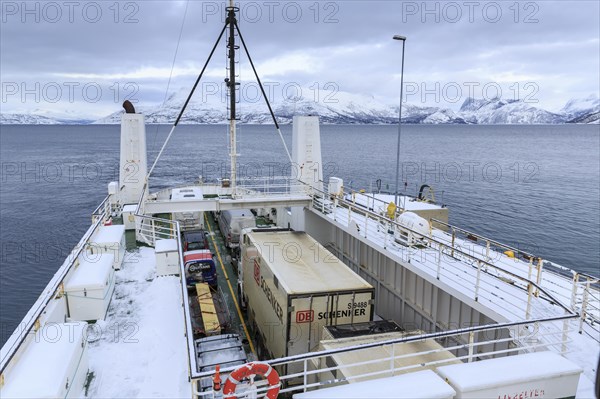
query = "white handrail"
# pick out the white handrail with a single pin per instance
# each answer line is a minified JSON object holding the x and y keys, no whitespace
{"x":50,"y":291}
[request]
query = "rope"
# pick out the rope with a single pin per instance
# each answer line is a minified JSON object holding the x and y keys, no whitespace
{"x":172,"y":68}
{"x":284,"y":145}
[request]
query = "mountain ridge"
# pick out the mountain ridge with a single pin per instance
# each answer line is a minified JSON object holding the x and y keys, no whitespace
{"x":345,"y":108}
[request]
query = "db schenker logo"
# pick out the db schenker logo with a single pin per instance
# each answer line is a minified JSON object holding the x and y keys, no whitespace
{"x":305,"y":316}
{"x":257,"y":272}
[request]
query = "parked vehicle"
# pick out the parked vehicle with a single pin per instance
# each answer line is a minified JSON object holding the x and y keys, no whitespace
{"x":292,"y":284}
{"x":232,"y":222}
{"x":200,"y":267}
{"x":194,"y":240}
{"x":188,"y":220}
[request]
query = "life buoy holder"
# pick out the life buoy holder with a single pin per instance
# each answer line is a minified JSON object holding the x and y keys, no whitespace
{"x":246,"y":371}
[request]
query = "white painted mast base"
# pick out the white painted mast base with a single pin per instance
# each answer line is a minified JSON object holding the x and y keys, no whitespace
{"x":133,"y":161}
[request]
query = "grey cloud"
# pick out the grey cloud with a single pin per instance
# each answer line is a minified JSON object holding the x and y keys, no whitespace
{"x":545,"y":39}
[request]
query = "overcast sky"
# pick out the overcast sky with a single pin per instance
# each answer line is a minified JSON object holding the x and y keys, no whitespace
{"x":84,"y":58}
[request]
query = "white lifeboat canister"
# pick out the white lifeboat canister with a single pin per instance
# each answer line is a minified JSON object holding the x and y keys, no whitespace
{"x":412,"y":228}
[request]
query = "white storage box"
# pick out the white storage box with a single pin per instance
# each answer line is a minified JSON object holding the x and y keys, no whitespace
{"x":113,"y":188}
{"x":54,"y":365}
{"x":532,"y":375}
{"x":90,"y":288}
{"x":109,"y":240}
{"x":335,"y":186}
{"x":128,"y":216}
{"x":167,"y":257}
{"x":421,"y":384}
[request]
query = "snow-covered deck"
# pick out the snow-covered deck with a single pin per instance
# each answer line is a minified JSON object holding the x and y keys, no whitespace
{"x":379,"y":202}
{"x":507,"y":298}
{"x":139,"y":350}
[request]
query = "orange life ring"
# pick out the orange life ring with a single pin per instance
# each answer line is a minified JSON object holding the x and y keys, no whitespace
{"x":249,"y":369}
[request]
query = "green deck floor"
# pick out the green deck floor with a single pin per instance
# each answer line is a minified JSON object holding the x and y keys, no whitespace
{"x":228,"y":280}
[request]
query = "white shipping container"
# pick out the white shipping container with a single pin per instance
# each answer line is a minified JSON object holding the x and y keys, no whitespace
{"x":54,"y":365}
{"x":109,"y":240}
{"x":531,"y":375}
{"x":294,"y":287}
{"x":89,"y":289}
{"x":167,"y":257}
{"x":418,"y":385}
{"x":336,"y":185}
{"x":410,"y":356}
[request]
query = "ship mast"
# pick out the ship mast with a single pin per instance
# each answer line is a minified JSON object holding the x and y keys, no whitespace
{"x":231,"y":85}
{"x":233,"y":29}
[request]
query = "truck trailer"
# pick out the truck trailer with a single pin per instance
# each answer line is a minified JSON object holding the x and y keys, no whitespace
{"x":292,"y":287}
{"x":188,"y":219}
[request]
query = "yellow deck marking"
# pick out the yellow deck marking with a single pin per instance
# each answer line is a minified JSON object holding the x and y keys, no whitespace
{"x":233,"y":294}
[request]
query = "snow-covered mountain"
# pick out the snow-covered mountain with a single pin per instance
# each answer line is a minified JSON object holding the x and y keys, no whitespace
{"x":586,"y":110}
{"x":37,"y":119}
{"x":344,"y":108}
{"x":499,"y":111}
{"x":577,"y":107}
{"x":443,"y":116}
{"x":341,"y":108}
{"x":27,"y":119}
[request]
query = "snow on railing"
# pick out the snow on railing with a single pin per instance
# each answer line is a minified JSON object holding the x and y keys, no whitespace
{"x":582,"y":293}
{"x":585,"y":299}
{"x":103,"y":211}
{"x":260,"y":186}
{"x":245,"y":187}
{"x":448,"y":256}
{"x":31,"y":321}
{"x":149,"y":229}
{"x":319,"y":369}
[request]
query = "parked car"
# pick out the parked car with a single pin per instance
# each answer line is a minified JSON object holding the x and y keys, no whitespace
{"x":194,"y":240}
{"x":200,"y":267}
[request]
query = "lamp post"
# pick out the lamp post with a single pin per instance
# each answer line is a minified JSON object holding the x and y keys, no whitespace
{"x":403,"y":39}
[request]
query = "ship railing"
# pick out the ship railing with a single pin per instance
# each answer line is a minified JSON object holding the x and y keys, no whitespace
{"x":585,"y":299}
{"x":32,"y":322}
{"x":247,"y":187}
{"x":271,"y":185}
{"x":512,"y":305}
{"x":492,"y":248}
{"x":379,"y":186}
{"x":372,"y":202}
{"x":582,"y":291}
{"x":213,"y":189}
{"x":444,"y":260}
{"x":325,"y":368}
{"x":150,"y":229}
{"x":104,"y":210}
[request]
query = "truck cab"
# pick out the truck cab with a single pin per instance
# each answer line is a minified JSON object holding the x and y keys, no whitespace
{"x":200,"y":267}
